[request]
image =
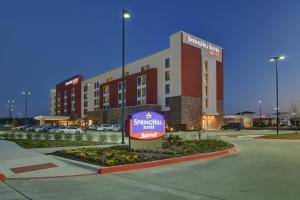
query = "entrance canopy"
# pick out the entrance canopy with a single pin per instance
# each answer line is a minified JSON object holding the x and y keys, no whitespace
{"x":62,"y":120}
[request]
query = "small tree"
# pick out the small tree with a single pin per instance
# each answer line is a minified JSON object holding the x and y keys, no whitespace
{"x":58,"y":136}
{"x":102,"y":137}
{"x":114,"y":138}
{"x":20,"y":136}
{"x":37,"y":136}
{"x":78,"y":137}
{"x":68,"y":136}
{"x":89,"y":137}
{"x":29,"y":136}
{"x":47,"y":136}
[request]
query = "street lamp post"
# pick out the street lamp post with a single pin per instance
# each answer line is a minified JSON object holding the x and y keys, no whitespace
{"x":259,"y":102}
{"x":26,"y":93}
{"x":275,"y":59}
{"x":10,"y":107}
{"x":125,"y":15}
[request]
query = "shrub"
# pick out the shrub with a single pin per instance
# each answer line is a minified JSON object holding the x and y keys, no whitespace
{"x":89,"y":137}
{"x":58,"y":136}
{"x":47,"y":136}
{"x":20,"y":135}
{"x":114,"y":138}
{"x":78,"y":137}
{"x":102,"y":137}
{"x":6,"y":136}
{"x":174,"y":140}
{"x":68,"y":136}
{"x":29,"y":136}
{"x":37,"y":136}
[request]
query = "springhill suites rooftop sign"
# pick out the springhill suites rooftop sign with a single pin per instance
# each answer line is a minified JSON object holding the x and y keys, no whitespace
{"x":207,"y":47}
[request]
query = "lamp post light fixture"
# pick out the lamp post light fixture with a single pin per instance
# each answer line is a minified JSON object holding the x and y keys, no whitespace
{"x":276,"y":59}
{"x":125,"y":15}
{"x":26,"y":93}
{"x":259,"y":102}
{"x":10,"y":107}
{"x":294,"y":116}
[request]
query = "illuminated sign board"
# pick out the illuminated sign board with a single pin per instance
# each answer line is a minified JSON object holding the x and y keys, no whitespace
{"x":211,"y":49}
{"x":147,"y":125}
{"x":73,"y":81}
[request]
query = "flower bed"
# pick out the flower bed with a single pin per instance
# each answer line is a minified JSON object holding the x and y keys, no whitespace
{"x":121,"y":155}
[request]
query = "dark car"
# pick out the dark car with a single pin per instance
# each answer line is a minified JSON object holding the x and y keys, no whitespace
{"x":232,"y":126}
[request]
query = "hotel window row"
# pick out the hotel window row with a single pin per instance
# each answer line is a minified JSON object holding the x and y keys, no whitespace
{"x":141,"y":90}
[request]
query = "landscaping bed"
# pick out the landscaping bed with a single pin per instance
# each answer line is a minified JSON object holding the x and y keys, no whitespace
{"x":29,"y":143}
{"x":120,"y":155}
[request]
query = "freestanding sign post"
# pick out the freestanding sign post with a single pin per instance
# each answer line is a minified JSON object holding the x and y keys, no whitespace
{"x":146,"y":130}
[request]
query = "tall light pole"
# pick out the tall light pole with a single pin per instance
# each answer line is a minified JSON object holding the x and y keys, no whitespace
{"x":276,"y":59}
{"x":259,"y":102}
{"x":10,"y":107}
{"x":26,"y":93}
{"x":125,"y":15}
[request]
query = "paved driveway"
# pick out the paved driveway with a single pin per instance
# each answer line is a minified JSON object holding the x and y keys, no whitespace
{"x":263,"y":169}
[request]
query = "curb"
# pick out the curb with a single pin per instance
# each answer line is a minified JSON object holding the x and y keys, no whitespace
{"x":2,"y":177}
{"x":156,"y":163}
{"x":262,"y":138}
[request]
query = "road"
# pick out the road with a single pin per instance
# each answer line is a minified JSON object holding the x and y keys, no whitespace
{"x":263,"y":169}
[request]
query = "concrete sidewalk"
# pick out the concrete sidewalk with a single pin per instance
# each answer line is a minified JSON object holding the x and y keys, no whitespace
{"x":14,"y":158}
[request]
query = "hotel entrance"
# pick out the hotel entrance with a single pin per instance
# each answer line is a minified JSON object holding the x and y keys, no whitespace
{"x":210,"y":121}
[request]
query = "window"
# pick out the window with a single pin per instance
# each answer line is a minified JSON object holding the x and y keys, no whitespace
{"x":120,"y":94}
{"x":85,"y":88}
{"x":167,"y":89}
{"x":106,"y":90}
{"x":206,"y":65}
{"x":167,"y":102}
{"x":141,"y":80}
{"x":167,"y":75}
{"x":206,"y":90}
{"x":85,"y":111}
{"x":96,"y":93}
{"x":206,"y":103}
{"x":96,"y":102}
{"x":85,"y":96}
{"x":85,"y":103}
{"x":167,"y":62}
{"x":96,"y":85}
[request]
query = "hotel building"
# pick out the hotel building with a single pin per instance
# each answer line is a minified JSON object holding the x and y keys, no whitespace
{"x":184,"y":82}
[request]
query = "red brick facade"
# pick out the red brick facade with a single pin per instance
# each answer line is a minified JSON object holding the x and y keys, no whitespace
{"x":66,"y":86}
{"x":131,"y":89}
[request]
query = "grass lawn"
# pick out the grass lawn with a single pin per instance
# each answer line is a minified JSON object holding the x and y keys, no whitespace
{"x":120,"y":155}
{"x":282,"y":136}
{"x":28,"y":144}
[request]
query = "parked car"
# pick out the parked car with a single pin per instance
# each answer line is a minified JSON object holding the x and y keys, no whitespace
{"x":93,"y":127}
{"x":53,"y":129}
{"x":69,"y":129}
{"x":4,"y":127}
{"x":31,"y":128}
{"x":231,"y":126}
{"x":104,"y":127}
{"x":115,"y":127}
{"x":41,"y":129}
{"x":109,"y":127}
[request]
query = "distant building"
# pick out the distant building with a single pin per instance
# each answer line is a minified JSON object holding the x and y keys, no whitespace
{"x":53,"y":102}
{"x":244,"y":118}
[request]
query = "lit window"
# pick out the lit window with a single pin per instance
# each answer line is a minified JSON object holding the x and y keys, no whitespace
{"x":167,"y":101}
{"x":167,"y":75}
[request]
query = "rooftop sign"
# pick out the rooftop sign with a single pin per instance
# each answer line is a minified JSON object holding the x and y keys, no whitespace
{"x":210,"y":48}
{"x":73,"y":81}
{"x":147,"y":125}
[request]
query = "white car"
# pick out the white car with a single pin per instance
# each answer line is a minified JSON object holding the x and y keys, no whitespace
{"x":109,"y":127}
{"x":69,"y":130}
{"x":104,"y":127}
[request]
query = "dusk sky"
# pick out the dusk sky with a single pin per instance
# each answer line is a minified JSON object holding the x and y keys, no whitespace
{"x":45,"y":42}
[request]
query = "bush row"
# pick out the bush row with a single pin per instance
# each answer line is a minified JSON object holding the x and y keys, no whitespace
{"x":61,"y":136}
